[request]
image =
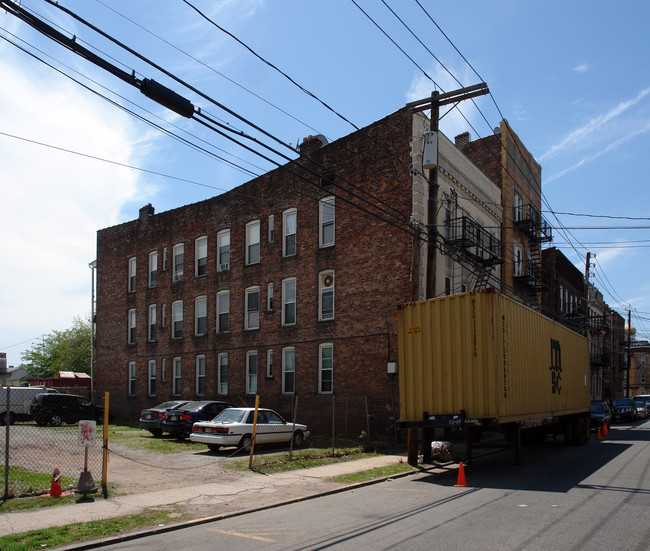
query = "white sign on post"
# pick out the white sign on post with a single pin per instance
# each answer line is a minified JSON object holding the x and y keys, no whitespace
{"x":87,"y":433}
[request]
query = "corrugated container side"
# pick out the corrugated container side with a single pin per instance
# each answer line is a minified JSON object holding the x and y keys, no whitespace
{"x":489,"y":356}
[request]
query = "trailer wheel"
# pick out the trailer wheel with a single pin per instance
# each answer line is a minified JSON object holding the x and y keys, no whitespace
{"x":584,"y":430}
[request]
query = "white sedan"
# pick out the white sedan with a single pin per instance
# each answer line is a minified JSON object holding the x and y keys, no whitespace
{"x":234,"y":427}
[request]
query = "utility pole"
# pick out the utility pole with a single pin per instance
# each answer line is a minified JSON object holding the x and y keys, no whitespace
{"x":629,"y":354}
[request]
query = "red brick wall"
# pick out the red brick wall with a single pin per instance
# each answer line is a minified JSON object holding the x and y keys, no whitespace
{"x":371,"y":260}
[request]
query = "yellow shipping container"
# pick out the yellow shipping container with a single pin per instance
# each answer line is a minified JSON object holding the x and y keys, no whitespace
{"x":491,"y":357}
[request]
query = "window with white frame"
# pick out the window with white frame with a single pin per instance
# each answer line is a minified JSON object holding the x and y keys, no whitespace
{"x":326,"y":301}
{"x":153,"y":269}
{"x":326,"y":368}
{"x":223,"y":251}
{"x":223,"y":311}
{"x":269,"y":363}
{"x":163,"y":321}
{"x":253,"y":242}
{"x":164,"y":259}
{"x":131,"y":335}
{"x":518,"y":261}
{"x":288,"y":370}
{"x":132,"y":271}
{"x":251,"y":372}
{"x":222,"y":374}
{"x":201,"y":315}
{"x":200,"y":375}
{"x":177,"y":377}
{"x":152,"y":378}
{"x":163,"y":370}
{"x":252,"y":305}
{"x":131,"y":389}
{"x":326,"y":213}
{"x":289,"y":221}
{"x":178,"y":259}
{"x":152,"y":323}
{"x":269,"y":297}
{"x":201,"y":257}
{"x":177,"y":319}
{"x":271,"y":228}
{"x":289,"y":301}
{"x":518,"y":208}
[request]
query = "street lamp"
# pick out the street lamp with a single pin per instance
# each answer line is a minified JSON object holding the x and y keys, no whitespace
{"x":92,"y":266}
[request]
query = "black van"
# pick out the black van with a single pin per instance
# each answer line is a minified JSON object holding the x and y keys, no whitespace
{"x":55,"y":409}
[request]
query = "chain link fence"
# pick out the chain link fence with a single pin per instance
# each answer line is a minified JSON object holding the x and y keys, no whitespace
{"x":45,"y":438}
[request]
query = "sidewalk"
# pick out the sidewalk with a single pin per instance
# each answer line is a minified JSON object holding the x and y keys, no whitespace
{"x":213,"y":499}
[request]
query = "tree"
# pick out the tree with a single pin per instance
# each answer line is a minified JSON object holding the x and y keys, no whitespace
{"x":67,"y":350}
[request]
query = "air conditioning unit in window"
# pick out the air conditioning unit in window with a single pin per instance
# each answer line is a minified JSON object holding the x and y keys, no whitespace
{"x":224,"y":267}
{"x":327,"y":280}
{"x":178,"y":276}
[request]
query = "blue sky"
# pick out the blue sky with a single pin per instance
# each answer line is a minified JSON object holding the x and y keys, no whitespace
{"x":571,"y":78}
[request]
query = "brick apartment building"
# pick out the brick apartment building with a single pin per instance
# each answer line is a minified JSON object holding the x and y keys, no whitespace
{"x":284,"y":287}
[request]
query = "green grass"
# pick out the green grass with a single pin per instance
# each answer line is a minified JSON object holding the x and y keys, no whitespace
{"x":65,"y":535}
{"x":301,"y":459}
{"x":23,"y":481}
{"x":136,"y":438}
{"x":372,"y":474}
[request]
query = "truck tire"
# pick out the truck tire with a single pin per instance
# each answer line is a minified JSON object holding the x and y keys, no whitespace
{"x":7,"y":418}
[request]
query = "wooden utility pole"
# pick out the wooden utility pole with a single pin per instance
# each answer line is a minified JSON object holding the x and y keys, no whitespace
{"x":629,"y":354}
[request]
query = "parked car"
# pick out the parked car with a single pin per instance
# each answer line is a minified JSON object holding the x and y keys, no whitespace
{"x":234,"y":427}
{"x":20,"y":400}
{"x":624,"y":409}
{"x":601,"y":415}
{"x":646,"y":400}
{"x":56,"y":409}
{"x":178,"y":422}
{"x":640,"y":409}
{"x":151,"y":419}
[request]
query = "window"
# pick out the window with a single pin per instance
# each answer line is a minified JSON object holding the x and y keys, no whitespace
{"x":252,"y":318}
{"x":177,"y":386}
{"x":517,"y":271}
{"x":152,"y":323}
{"x":152,"y":378}
{"x":163,"y":370}
{"x":177,"y":319}
{"x":326,"y":302}
{"x":164,"y":260}
{"x":253,"y":242}
{"x":447,"y":286}
{"x":223,"y":311}
{"x":251,"y":372}
{"x":288,"y":370}
{"x":289,"y":302}
{"x":201,"y":315}
{"x":269,"y":297}
{"x":223,"y":374}
{"x":223,"y":251}
{"x":518,"y":208}
{"x":131,"y":337}
{"x":153,"y":269}
{"x":271,"y":228}
{"x":132,"y":268}
{"x":269,"y":363}
{"x":163,"y":322}
{"x":200,"y":375}
{"x":325,"y":368}
{"x":201,"y":257}
{"x":326,"y":222}
{"x":289,"y":219}
{"x":131,"y":389}
{"x":448,"y":214}
{"x":178,"y":260}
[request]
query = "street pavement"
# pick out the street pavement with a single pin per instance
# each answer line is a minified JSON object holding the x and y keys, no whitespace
{"x":218,"y":498}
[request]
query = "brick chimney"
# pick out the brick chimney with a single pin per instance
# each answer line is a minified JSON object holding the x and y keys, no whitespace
{"x":146,"y":212}
{"x":462,"y":140}
{"x":311,"y":144}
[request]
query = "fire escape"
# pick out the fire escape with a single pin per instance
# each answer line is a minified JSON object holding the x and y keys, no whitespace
{"x":470,"y":240}
{"x":535,"y":227}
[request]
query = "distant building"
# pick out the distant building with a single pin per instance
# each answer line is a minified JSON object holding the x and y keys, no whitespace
{"x":640,"y":354}
{"x":289,"y":285}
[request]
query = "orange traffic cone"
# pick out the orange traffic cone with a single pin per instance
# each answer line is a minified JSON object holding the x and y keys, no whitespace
{"x":461,"y":477}
{"x":598,"y":435}
{"x":55,"y":487}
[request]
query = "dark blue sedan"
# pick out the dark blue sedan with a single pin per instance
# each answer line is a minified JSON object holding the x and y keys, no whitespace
{"x":178,"y":422}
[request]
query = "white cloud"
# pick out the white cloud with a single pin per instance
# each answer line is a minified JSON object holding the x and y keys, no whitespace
{"x":54,"y":202}
{"x":582,"y":68}
{"x":576,"y":137}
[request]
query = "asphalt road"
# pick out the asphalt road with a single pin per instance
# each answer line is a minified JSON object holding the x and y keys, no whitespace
{"x":591,"y":497}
